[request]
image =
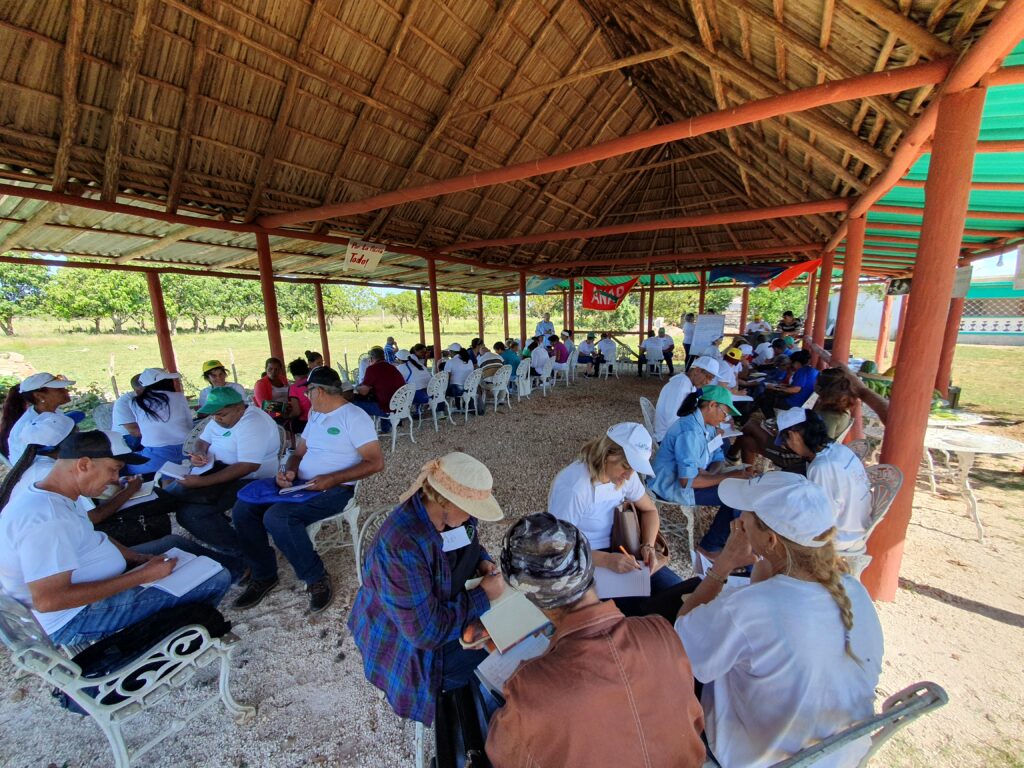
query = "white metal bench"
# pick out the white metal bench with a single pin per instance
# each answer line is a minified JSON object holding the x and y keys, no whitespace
{"x":114,"y":699}
{"x":333,"y":536}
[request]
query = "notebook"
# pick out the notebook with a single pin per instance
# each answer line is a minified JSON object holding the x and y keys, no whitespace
{"x":635,"y":583}
{"x":178,"y":470}
{"x":295,"y":488}
{"x":511,"y":617}
{"x":112,"y":490}
{"x":498,"y":667}
{"x":189,"y":572}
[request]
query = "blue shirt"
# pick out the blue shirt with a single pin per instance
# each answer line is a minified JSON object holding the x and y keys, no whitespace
{"x":389,"y":353}
{"x":804,"y":378}
{"x":511,"y":358}
{"x":682,"y":454}
{"x":403,"y":614}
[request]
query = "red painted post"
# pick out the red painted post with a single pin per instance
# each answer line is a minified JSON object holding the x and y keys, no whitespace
{"x":828,"y":260}
{"x":522,"y":310}
{"x":419,"y":315}
{"x":901,"y":326}
{"x":480,"y":314}
{"x":744,"y":306}
{"x":946,"y":197}
{"x":812,"y":284}
{"x":572,"y":305}
{"x":321,"y":319}
{"x":702,"y":299}
{"x":945,"y":372}
{"x":640,"y":320}
{"x":848,"y":291}
{"x":504,"y":302}
{"x":435,"y":318}
{"x":266,"y":266}
{"x":163,"y":330}
{"x":882,"y":348}
{"x":653,"y":281}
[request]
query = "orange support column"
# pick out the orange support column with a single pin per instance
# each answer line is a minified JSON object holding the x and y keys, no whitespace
{"x":480,"y":314}
{"x":828,"y":261}
{"x":812,"y":284}
{"x":419,"y":315}
{"x":640,"y":320}
{"x":163,"y":329}
{"x":946,"y":196}
{"x":435,"y":318}
{"x":744,"y":306}
{"x":266,"y":265}
{"x":848,"y":291}
{"x":522,"y":310}
{"x":702,"y":298}
{"x":945,"y":372}
{"x":572,"y":306}
{"x":882,"y":348}
{"x":650,"y":301}
{"x":504,"y":303}
{"x":900,"y":327}
{"x":321,"y":319}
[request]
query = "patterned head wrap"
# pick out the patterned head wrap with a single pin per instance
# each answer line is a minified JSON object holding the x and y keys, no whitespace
{"x":548,"y":560}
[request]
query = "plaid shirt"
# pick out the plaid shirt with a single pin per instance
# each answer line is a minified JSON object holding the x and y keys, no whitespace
{"x":402,"y":616}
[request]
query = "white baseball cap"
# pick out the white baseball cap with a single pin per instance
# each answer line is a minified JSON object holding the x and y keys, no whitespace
{"x":708,"y":364}
{"x":151,"y":376}
{"x":48,"y":429}
{"x":790,"y":418}
{"x":44,"y":380}
{"x":636,"y":442}
{"x":402,"y":354}
{"x":746,"y":349}
{"x":788,"y":503}
{"x":455,"y":347}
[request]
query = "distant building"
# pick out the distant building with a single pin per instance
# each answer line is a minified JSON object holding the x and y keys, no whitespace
{"x":993,"y":313}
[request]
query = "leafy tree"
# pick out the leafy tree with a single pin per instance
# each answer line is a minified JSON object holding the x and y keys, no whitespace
{"x":716,"y":301}
{"x":452,"y":306}
{"x":238,"y":299}
{"x":95,"y":294}
{"x":625,"y":318}
{"x":771,"y":304}
{"x":494,"y":308}
{"x":21,"y":292}
{"x":352,"y":302}
{"x":296,"y":304}
{"x":672,"y":305}
{"x":188,"y":296}
{"x":401,"y":305}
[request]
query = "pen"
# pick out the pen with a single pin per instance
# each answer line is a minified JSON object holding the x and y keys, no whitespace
{"x":628,"y":555}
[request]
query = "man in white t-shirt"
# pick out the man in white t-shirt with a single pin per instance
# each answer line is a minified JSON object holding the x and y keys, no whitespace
{"x":545,"y":327}
{"x":337,"y":448}
{"x":651,"y":347}
{"x":703,"y":371}
{"x":586,"y":350}
{"x":606,"y":351}
{"x":758,"y":325}
{"x":240,"y":443}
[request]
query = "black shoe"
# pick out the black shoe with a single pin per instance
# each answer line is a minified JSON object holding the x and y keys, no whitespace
{"x":321,"y":594}
{"x":255,"y":592}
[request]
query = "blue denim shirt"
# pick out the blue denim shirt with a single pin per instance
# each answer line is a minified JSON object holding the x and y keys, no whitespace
{"x":683,"y":453}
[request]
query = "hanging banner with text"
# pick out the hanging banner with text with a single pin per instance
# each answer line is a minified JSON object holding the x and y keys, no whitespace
{"x":361,"y":256}
{"x":605,"y":297}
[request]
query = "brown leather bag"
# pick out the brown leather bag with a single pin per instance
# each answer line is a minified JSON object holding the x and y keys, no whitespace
{"x":626,"y":534}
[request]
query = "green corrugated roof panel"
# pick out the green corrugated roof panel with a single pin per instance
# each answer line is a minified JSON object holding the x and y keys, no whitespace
{"x":1000,"y":290}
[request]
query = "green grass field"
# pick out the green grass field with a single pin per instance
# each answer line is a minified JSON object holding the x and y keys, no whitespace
{"x":987,"y":375}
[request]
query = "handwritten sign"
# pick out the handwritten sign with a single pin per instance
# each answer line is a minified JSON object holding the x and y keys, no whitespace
{"x":362,"y":256}
{"x":605,"y":297}
{"x":962,"y":282}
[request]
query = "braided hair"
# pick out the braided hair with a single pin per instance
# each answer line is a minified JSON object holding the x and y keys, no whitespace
{"x":17,"y":471}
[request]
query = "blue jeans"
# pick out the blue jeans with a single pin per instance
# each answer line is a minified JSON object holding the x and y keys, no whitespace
{"x":286,"y":523}
{"x":372,"y":407}
{"x":203,"y":513}
{"x":718,"y":533}
{"x":103,"y":618}
{"x":157,"y":456}
{"x":459,"y":665}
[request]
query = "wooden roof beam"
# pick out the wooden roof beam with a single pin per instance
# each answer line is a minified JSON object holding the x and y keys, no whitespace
{"x":917,"y":36}
{"x":129,"y":69}
{"x":200,"y":48}
{"x":72,"y":52}
{"x":681,"y":257}
{"x":158,"y":246}
{"x":30,"y":225}
{"x":801,"y":99}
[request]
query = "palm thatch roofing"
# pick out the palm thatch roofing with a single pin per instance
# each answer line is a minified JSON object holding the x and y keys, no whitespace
{"x":208,"y":116}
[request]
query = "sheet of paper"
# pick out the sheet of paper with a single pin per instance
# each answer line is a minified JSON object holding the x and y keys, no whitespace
{"x":742,"y":399}
{"x":189,"y":572}
{"x":134,"y":501}
{"x":496,"y":669}
{"x":295,"y":488}
{"x":724,"y":469}
{"x":731,"y":433}
{"x":635,"y":583}
{"x":178,"y":470}
{"x":457,"y":538}
{"x":511,"y":618}
{"x":112,"y":490}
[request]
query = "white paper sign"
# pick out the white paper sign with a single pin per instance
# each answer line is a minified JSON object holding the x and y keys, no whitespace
{"x":962,"y":282}
{"x":1018,"y":274}
{"x":361,"y":256}
{"x":708,"y":328}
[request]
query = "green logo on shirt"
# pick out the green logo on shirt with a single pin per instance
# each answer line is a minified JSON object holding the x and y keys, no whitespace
{"x":227,"y":433}
{"x":333,"y":431}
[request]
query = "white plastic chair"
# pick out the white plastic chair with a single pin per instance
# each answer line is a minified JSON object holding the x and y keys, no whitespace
{"x":544,"y":380}
{"x":103,"y":416}
{"x":470,"y":392}
{"x":193,"y":436}
{"x":401,"y":409}
{"x":669,"y":528}
{"x":497,"y":385}
{"x":524,"y":381}
{"x":115,"y":698}
{"x":647,"y":409}
{"x":885,"y":481}
{"x":561,"y":371}
{"x":334,"y":534}
{"x":607,"y":368}
{"x":572,"y":363}
{"x":436,"y":389}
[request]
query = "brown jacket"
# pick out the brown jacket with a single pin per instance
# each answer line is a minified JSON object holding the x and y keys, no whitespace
{"x":610,"y":691}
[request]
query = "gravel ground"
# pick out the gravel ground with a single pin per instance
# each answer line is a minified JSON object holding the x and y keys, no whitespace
{"x":315,"y":708}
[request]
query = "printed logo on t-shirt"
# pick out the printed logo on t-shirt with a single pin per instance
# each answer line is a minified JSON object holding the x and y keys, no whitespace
{"x":227,"y":434}
{"x":333,"y":431}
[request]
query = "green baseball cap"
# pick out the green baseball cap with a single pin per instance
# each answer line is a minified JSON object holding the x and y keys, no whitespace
{"x":220,"y":397}
{"x":719,"y":395}
{"x":790,"y":341}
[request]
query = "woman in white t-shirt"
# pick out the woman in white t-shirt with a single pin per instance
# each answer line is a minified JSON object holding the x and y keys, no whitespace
{"x":337,"y":448}
{"x":794,"y":657}
{"x":216,"y":375}
{"x":164,"y":419}
{"x":459,"y":366}
{"x":414,"y":373}
{"x":587,"y":492}
{"x":36,"y":394}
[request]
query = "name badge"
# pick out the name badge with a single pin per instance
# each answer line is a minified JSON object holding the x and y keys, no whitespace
{"x":456,"y":538}
{"x":715,"y":444}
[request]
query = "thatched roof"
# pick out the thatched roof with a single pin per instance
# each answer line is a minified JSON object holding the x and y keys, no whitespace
{"x":234,"y":110}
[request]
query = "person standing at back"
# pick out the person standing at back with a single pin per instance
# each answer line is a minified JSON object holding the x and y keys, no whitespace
{"x":625,"y":683}
{"x":545,"y":327}
{"x":688,"y":323}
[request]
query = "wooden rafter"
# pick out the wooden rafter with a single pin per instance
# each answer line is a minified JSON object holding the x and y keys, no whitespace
{"x":129,"y":69}
{"x":917,"y":36}
{"x":30,"y":225}
{"x":158,"y":246}
{"x":279,"y":133}
{"x":189,"y":111}
{"x":72,"y":52}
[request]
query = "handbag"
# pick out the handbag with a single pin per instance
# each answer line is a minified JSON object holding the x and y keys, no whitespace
{"x":626,"y":534}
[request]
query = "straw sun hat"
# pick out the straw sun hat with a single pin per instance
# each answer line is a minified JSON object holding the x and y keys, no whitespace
{"x":464,"y":481}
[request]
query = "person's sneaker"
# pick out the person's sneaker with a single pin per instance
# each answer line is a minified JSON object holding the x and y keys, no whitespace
{"x":321,"y":594}
{"x":255,"y":592}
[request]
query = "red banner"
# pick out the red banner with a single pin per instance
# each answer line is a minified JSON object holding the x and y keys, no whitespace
{"x":791,"y":274}
{"x":605,"y":297}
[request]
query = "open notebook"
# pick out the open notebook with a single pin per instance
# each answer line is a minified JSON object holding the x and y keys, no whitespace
{"x":498,"y":667}
{"x":635,"y":583}
{"x":511,"y":617}
{"x":189,"y":572}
